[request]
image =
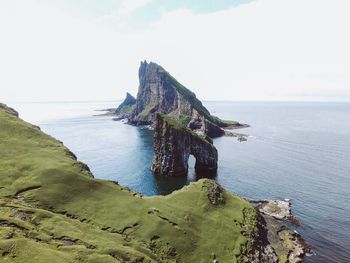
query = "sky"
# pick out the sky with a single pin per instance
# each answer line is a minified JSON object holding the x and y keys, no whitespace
{"x":64,"y":50}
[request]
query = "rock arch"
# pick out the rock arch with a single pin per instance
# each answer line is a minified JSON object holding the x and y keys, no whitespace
{"x":173,"y":144}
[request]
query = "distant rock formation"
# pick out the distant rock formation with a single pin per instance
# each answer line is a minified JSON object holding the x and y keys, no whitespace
{"x":126,"y":108}
{"x":173,"y":144}
{"x":159,"y":92}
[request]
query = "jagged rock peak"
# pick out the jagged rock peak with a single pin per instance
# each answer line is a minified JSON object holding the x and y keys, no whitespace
{"x":159,"y":92}
{"x":129,"y":100}
{"x":126,"y":108}
{"x":174,"y":143}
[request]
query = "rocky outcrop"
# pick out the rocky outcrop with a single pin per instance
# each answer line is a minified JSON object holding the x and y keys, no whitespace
{"x":275,"y":243}
{"x":174,"y":143}
{"x":159,"y":92}
{"x":126,"y":108}
{"x":8,"y":109}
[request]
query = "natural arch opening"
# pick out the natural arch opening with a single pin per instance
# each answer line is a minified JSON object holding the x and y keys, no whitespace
{"x":173,"y":147}
{"x":191,"y":174}
{"x":196,"y":170}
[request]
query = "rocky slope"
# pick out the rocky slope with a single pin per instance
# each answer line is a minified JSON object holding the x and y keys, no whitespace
{"x":53,"y":210}
{"x":173,"y":144}
{"x":159,"y":92}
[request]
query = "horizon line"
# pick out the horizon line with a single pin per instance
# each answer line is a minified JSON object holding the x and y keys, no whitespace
{"x":204,"y":100}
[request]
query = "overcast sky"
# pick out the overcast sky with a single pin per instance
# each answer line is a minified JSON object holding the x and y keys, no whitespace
{"x":54,"y":50}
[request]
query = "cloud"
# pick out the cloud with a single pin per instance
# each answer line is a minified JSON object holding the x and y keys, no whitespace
{"x":127,"y":6}
{"x":268,"y":49}
{"x":120,"y":18}
{"x":263,"y":50}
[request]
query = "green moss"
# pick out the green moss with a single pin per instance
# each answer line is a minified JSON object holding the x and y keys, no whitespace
{"x":230,"y":123}
{"x":127,"y":106}
{"x":179,"y":126}
{"x":125,"y":109}
{"x":147,"y":110}
{"x":183,"y":119}
{"x":287,"y":244}
{"x":208,"y":139}
{"x":61,"y":214}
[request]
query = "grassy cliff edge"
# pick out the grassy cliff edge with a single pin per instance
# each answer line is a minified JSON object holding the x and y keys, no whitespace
{"x":53,"y":210}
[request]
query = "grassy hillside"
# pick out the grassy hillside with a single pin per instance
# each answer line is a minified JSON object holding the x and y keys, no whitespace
{"x":53,"y":210}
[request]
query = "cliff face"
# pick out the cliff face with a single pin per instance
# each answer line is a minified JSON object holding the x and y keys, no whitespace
{"x":159,"y":92}
{"x":173,"y":144}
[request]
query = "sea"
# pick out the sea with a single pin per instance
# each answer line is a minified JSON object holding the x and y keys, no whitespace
{"x":295,"y":150}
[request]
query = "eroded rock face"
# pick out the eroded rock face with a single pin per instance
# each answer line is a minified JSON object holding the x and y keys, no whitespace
{"x":173,"y":144}
{"x":159,"y":92}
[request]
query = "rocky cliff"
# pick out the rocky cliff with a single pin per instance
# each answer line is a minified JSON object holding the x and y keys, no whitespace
{"x":173,"y":144}
{"x":159,"y":92}
{"x":126,"y":108}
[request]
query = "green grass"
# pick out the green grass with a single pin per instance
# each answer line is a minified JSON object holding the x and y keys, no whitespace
{"x":53,"y":210}
{"x":147,"y":110}
{"x":180,"y":126}
{"x":126,"y":109}
{"x":183,"y":119}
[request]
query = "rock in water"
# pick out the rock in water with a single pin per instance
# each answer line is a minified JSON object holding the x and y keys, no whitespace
{"x":277,"y":209}
{"x":159,"y":92}
{"x":173,"y":144}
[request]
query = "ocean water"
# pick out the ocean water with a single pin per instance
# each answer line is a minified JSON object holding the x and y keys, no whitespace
{"x":299,"y":151}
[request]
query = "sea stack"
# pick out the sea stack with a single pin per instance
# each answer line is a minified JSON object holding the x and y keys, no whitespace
{"x":126,"y":108}
{"x":173,"y":144}
{"x":159,"y":92}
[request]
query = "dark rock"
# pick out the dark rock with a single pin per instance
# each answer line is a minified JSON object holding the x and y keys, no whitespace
{"x":129,"y":100}
{"x":212,"y":130}
{"x":173,"y":144}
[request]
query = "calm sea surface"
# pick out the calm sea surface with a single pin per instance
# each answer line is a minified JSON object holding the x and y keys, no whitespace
{"x":299,"y":151}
